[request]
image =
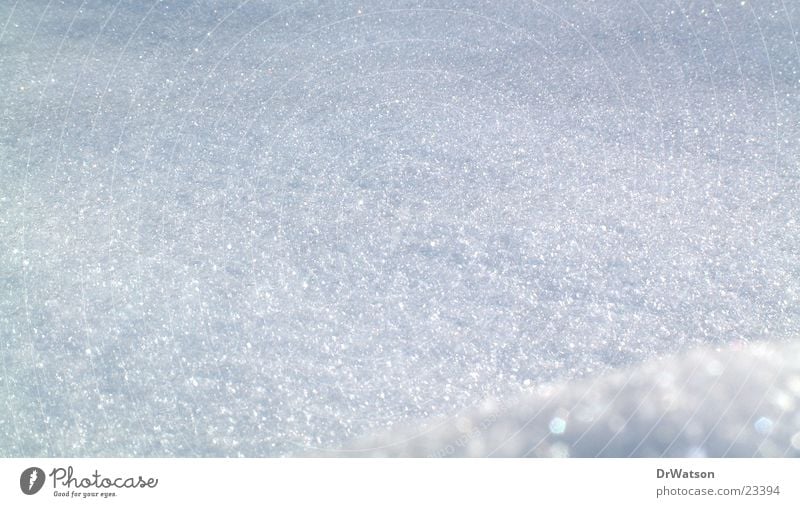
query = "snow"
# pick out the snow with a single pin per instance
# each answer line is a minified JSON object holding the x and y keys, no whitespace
{"x":255,"y":228}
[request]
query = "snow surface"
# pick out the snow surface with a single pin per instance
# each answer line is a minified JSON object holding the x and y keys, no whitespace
{"x":255,"y":228}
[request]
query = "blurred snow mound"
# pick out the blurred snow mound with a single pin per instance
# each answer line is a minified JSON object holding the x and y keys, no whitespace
{"x":729,"y":403}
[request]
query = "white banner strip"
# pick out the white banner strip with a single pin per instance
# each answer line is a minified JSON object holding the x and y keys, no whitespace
{"x":400,"y":482}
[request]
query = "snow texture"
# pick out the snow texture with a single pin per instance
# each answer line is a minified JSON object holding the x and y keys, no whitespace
{"x":265,"y":228}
